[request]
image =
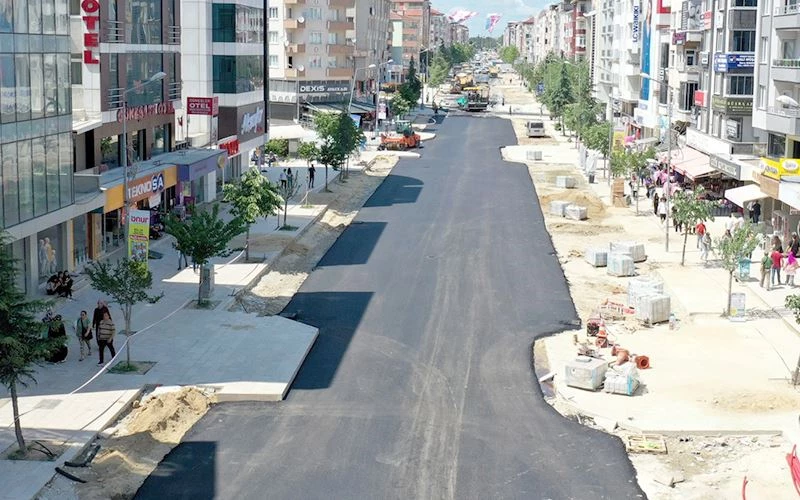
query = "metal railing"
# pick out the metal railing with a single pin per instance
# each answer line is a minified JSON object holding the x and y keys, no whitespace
{"x":114,"y":98}
{"x":788,"y":112}
{"x":174,"y":35}
{"x":783,"y":10}
{"x":116,"y":32}
{"x":174,"y":90}
{"x":786,"y":63}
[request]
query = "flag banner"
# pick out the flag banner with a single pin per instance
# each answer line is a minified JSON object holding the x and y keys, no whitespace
{"x":460,"y":15}
{"x":139,"y":235}
{"x":491,"y":21}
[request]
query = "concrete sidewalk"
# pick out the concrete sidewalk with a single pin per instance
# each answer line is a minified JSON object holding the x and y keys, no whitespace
{"x":238,"y":356}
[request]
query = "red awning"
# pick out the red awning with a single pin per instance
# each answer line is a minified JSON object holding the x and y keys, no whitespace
{"x":693,"y":164}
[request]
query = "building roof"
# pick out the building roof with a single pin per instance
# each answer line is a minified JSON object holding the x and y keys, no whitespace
{"x":435,"y":12}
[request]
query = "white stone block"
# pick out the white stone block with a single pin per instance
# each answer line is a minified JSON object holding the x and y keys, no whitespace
{"x":557,"y":207}
{"x":597,"y":257}
{"x":643,"y":286}
{"x":635,"y":250}
{"x":620,"y":265}
{"x":654,"y":308}
{"x":565,"y":181}
{"x":575,"y":212}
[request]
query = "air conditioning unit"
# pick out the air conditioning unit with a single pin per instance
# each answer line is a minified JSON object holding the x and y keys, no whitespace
{"x":704,"y":58}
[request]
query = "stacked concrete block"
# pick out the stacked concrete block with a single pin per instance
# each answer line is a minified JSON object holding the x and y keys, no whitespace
{"x":643,"y":286}
{"x":597,"y":257}
{"x":653,"y":308}
{"x":557,"y":207}
{"x":620,"y":265}
{"x":565,"y":181}
{"x":635,"y":250}
{"x":575,"y":212}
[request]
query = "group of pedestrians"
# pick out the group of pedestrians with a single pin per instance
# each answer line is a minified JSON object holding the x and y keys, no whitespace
{"x":100,"y":328}
{"x":776,"y":260}
{"x":288,"y":179}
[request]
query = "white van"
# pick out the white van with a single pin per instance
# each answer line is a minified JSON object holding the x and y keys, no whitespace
{"x":535,"y":129}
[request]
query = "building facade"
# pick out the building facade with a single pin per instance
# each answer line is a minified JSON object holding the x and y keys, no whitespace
{"x":459,"y":33}
{"x":39,"y":209}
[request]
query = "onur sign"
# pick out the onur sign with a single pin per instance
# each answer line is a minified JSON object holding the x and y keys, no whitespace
{"x":144,"y":188}
{"x":91,"y":39}
{"x":251,"y":121}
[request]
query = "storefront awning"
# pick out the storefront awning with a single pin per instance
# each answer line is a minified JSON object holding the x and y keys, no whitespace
{"x":744,"y":194}
{"x":693,"y":165}
{"x":357,"y":108}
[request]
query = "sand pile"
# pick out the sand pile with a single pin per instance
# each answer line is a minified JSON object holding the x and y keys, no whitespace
{"x":168,"y":416}
{"x":593,"y":204}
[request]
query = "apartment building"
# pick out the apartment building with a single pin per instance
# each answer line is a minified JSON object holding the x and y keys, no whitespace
{"x":651,"y":113}
{"x":459,"y":33}
{"x":440,"y":29}
{"x":416,"y":31}
{"x":372,"y":47}
{"x":39,"y":211}
{"x":527,"y":36}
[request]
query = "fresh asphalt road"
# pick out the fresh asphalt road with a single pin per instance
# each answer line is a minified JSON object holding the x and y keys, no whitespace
{"x":420,"y":385}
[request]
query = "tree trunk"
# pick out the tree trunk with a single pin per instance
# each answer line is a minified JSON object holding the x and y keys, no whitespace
{"x":730,"y":286}
{"x":127,"y":314}
{"x":326,"y":179}
{"x":685,"y":238}
{"x":285,"y":209}
{"x":17,"y":426}
{"x":247,"y":245}
{"x":200,"y":286}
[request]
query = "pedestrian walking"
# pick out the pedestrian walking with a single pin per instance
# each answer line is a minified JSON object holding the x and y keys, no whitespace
{"x":675,"y":222}
{"x":282,"y":179}
{"x":289,"y":178}
{"x":83,"y":330}
{"x":776,"y":243}
{"x":705,"y":246}
{"x":97,"y":315}
{"x":509,"y":111}
{"x":794,"y":245}
{"x":700,"y":231}
{"x":656,"y":201}
{"x":181,"y":257}
{"x":311,"y":172}
{"x":755,"y":212}
{"x":790,"y":268}
{"x":766,"y":264}
{"x":662,"y":210}
{"x":105,"y":337}
{"x":777,"y":261}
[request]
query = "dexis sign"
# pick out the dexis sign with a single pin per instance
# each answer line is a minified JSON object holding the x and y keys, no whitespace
{"x":91,"y":39}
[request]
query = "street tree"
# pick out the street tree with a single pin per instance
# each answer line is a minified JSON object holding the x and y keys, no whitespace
{"x":287,"y":191}
{"x":596,"y":137}
{"x":627,"y":163}
{"x":329,"y":154}
{"x":509,"y":54}
{"x":128,"y":283}
{"x":559,"y":93}
{"x":439,"y":70}
{"x":689,"y":209}
{"x":278,"y":147}
{"x":399,"y":106}
{"x":22,"y":345}
{"x":308,"y":151}
{"x":732,"y":249}
{"x":252,"y":198}
{"x":204,"y":235}
{"x":349,"y":137}
{"x":411,"y":89}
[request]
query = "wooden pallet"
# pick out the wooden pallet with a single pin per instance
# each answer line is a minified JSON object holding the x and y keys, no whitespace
{"x":646,"y":443}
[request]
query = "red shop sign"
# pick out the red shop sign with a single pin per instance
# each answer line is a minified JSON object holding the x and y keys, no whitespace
{"x":232,"y":147}
{"x":700,"y":98}
{"x":139,"y":112}
{"x":91,"y":39}
{"x":208,"y":106}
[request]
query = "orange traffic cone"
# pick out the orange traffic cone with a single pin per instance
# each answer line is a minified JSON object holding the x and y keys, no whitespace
{"x":602,"y":335}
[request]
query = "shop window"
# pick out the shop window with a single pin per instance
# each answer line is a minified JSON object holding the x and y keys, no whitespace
{"x":160,"y":139}
{"x":80,"y":240}
{"x":25,"y":172}
{"x":740,"y":85}
{"x":776,"y":146}
{"x":48,"y":253}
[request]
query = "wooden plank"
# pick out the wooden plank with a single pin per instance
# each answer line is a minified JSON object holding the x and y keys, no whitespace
{"x":646,"y":443}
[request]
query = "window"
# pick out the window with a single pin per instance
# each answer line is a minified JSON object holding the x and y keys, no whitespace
{"x":10,"y":185}
{"x":143,"y":18}
{"x":140,"y":66}
{"x":314,"y":13}
{"x":762,"y":96}
{"x":776,"y":146}
{"x":333,"y":15}
{"x":23,"y":87}
{"x":237,"y":23}
{"x":223,"y":22}
{"x":691,"y":57}
{"x":764,"y":48}
{"x":8,"y":100}
{"x":273,"y":61}
{"x":332,"y":62}
{"x":315,"y":38}
{"x":686,"y":102}
{"x":333,"y":38}
{"x":237,"y":74}
{"x":77,"y":69}
{"x":315,"y":62}
{"x":740,"y":85}
{"x":273,"y":37}
{"x":743,"y":41}
{"x":273,"y":12}
{"x":745,"y":3}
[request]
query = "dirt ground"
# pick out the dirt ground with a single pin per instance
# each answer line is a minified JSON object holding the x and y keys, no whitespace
{"x":695,"y":467}
{"x":132,"y":448}
{"x":275,"y":289}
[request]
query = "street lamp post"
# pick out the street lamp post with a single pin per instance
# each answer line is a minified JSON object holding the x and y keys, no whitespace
{"x":667,"y":195}
{"x":125,"y":170}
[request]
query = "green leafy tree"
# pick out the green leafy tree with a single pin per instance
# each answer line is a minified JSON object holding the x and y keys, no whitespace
{"x":732,"y":249}
{"x":22,"y":345}
{"x":308,"y":151}
{"x":128,"y":283}
{"x":689,"y":209}
{"x":439,"y":70}
{"x":287,"y":192}
{"x":509,"y":54}
{"x":571,"y":116}
{"x":399,"y":106}
{"x":252,"y":198}
{"x":203,"y":236}
{"x":597,"y":137}
{"x":627,"y":163}
{"x":411,"y":89}
{"x":559,"y":95}
{"x":339,"y":138}
{"x":279,"y":147}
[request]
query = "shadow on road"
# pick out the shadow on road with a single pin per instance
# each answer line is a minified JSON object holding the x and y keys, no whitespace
{"x":195,"y":459}
{"x":337,"y":315}
{"x":395,"y":190}
{"x":355,"y":245}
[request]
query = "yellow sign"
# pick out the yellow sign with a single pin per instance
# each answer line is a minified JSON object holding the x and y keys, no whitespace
{"x":619,"y":140}
{"x":139,"y":235}
{"x":783,"y":167}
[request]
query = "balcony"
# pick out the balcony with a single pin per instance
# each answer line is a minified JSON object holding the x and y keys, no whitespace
{"x":340,"y":25}
{"x":340,"y":72}
{"x":292,"y":24}
{"x":293,"y":73}
{"x":786,"y":70}
{"x":342,"y":3}
{"x":342,"y":50}
{"x":784,"y":120}
{"x":116,"y":32}
{"x":174,"y":35}
{"x":174,"y":91}
{"x":296,"y":48}
{"x":786,"y":17}
{"x":294,"y":2}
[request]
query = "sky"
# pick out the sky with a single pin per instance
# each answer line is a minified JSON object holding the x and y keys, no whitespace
{"x":511,"y":10}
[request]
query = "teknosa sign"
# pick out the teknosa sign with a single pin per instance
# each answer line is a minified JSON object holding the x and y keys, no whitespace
{"x":91,"y":39}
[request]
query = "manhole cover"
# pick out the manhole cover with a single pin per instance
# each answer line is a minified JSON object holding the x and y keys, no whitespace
{"x":47,"y":404}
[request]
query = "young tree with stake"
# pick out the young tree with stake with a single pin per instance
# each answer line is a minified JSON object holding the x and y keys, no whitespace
{"x":731,"y":250}
{"x":689,"y":210}
{"x":252,"y":198}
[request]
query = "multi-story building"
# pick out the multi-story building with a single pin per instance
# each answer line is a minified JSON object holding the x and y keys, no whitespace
{"x":40,"y":212}
{"x":510,"y":34}
{"x":222,"y":56}
{"x":372,"y":48}
{"x":416,"y":26}
{"x":651,"y":113}
{"x":542,"y":38}
{"x":459,"y":33}
{"x":527,"y":35}
{"x":440,"y":29}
